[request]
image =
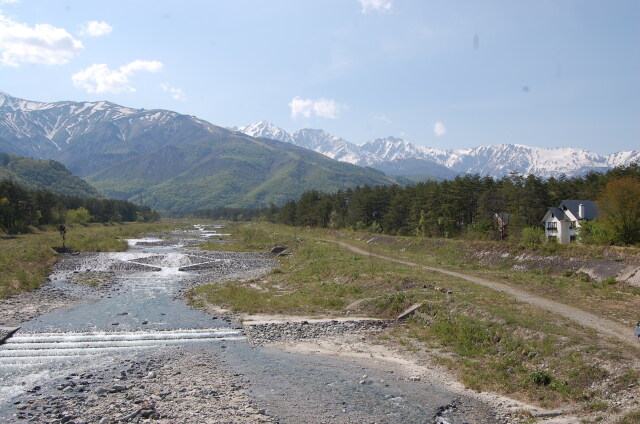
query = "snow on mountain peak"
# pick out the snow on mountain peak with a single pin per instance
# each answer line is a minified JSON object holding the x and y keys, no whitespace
{"x":390,"y":154}
{"x":265,"y":129}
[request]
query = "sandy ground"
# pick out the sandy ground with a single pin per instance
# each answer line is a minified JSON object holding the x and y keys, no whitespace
{"x":369,"y":351}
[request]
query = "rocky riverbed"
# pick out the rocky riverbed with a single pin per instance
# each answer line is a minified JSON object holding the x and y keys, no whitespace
{"x":171,"y":386}
{"x":111,"y":296}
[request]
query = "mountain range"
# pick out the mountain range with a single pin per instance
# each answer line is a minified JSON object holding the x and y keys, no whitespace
{"x":167,"y":160}
{"x":395,"y":156}
{"x":171,"y":161}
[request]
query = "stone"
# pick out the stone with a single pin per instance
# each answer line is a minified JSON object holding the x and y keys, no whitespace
{"x":278,"y":249}
{"x":118,"y":388}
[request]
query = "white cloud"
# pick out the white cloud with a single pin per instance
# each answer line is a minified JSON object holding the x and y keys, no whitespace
{"x":439,"y":129}
{"x":98,"y":78}
{"x":42,"y":43}
{"x":382,"y":118}
{"x":322,"y":107}
{"x":380,"y":6}
{"x":176,"y":93}
{"x":95,"y":28}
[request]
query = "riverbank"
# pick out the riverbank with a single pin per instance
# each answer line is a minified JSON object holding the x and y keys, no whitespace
{"x":490,"y":340}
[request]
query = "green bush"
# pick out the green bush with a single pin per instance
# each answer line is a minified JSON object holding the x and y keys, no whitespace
{"x":79,"y":216}
{"x":594,"y":232}
{"x":532,"y":236}
{"x":541,"y":377}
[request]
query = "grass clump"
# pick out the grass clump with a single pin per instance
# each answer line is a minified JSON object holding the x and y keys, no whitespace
{"x":632,"y":417}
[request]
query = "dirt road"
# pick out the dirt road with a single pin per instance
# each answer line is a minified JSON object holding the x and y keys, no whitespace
{"x":603,"y":326}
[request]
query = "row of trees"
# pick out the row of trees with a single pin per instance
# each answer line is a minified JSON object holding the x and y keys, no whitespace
{"x":21,"y":208}
{"x":465,"y":205}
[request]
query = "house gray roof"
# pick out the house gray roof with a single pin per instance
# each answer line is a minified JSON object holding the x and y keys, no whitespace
{"x":558,"y":213}
{"x":590,"y":210}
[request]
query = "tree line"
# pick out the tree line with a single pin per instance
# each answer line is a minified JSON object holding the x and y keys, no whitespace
{"x":21,"y":208}
{"x":464,"y":206}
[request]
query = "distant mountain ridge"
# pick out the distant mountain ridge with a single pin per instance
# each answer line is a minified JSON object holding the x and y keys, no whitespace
{"x":396,"y":156}
{"x":167,"y":160}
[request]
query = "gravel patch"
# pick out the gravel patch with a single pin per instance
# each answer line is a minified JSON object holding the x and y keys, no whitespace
{"x":170,"y":386}
{"x":17,"y":309}
{"x":291,"y":332}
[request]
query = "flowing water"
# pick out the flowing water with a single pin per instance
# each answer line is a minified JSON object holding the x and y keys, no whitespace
{"x":140,"y":310}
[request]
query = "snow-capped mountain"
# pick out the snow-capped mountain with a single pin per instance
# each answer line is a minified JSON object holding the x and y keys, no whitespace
{"x":317,"y":140}
{"x":172,"y":161}
{"x":396,"y":156}
{"x":266,"y":129}
{"x":71,"y":132}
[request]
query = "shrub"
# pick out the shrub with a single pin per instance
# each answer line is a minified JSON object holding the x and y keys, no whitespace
{"x":541,"y":377}
{"x":594,"y":232}
{"x":532,"y":237}
{"x":79,"y":216}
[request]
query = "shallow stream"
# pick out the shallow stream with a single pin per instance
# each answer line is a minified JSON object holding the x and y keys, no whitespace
{"x":141,"y":311}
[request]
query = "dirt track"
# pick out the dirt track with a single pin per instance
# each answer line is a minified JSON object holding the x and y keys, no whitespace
{"x":603,"y":326}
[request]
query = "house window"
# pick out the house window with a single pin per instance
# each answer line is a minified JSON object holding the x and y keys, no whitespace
{"x":572,"y":238}
{"x":573,"y":225}
{"x":552,"y":226}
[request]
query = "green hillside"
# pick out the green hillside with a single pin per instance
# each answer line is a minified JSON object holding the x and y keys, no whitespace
{"x":36,"y":174}
{"x":228,"y":169}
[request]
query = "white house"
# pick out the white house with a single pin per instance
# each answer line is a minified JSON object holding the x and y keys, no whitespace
{"x":563,"y":223}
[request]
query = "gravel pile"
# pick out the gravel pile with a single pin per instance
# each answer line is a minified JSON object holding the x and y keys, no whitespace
{"x":170,"y":386}
{"x":88,"y":262}
{"x":265,"y":333}
{"x":228,"y":266}
{"x":17,"y":309}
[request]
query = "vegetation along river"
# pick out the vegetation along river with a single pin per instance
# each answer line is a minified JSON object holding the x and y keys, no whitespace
{"x":129,"y":349}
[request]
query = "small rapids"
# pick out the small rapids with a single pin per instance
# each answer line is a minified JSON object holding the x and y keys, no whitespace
{"x":139,"y":310}
{"x":31,"y":348}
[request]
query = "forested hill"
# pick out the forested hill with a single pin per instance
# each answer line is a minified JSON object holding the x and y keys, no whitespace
{"x":449,"y":208}
{"x":21,"y":209}
{"x":35,"y":174}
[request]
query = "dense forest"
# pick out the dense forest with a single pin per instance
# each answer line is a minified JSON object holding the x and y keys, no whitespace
{"x":21,"y":208}
{"x":465,"y":205}
{"x":39,"y":174}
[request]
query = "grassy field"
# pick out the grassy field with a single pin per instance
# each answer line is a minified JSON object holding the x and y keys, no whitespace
{"x":491,"y":341}
{"x":26,"y":259}
{"x":609,"y":299}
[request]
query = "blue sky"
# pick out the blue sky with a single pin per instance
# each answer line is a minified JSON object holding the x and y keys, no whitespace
{"x":446,"y":74}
